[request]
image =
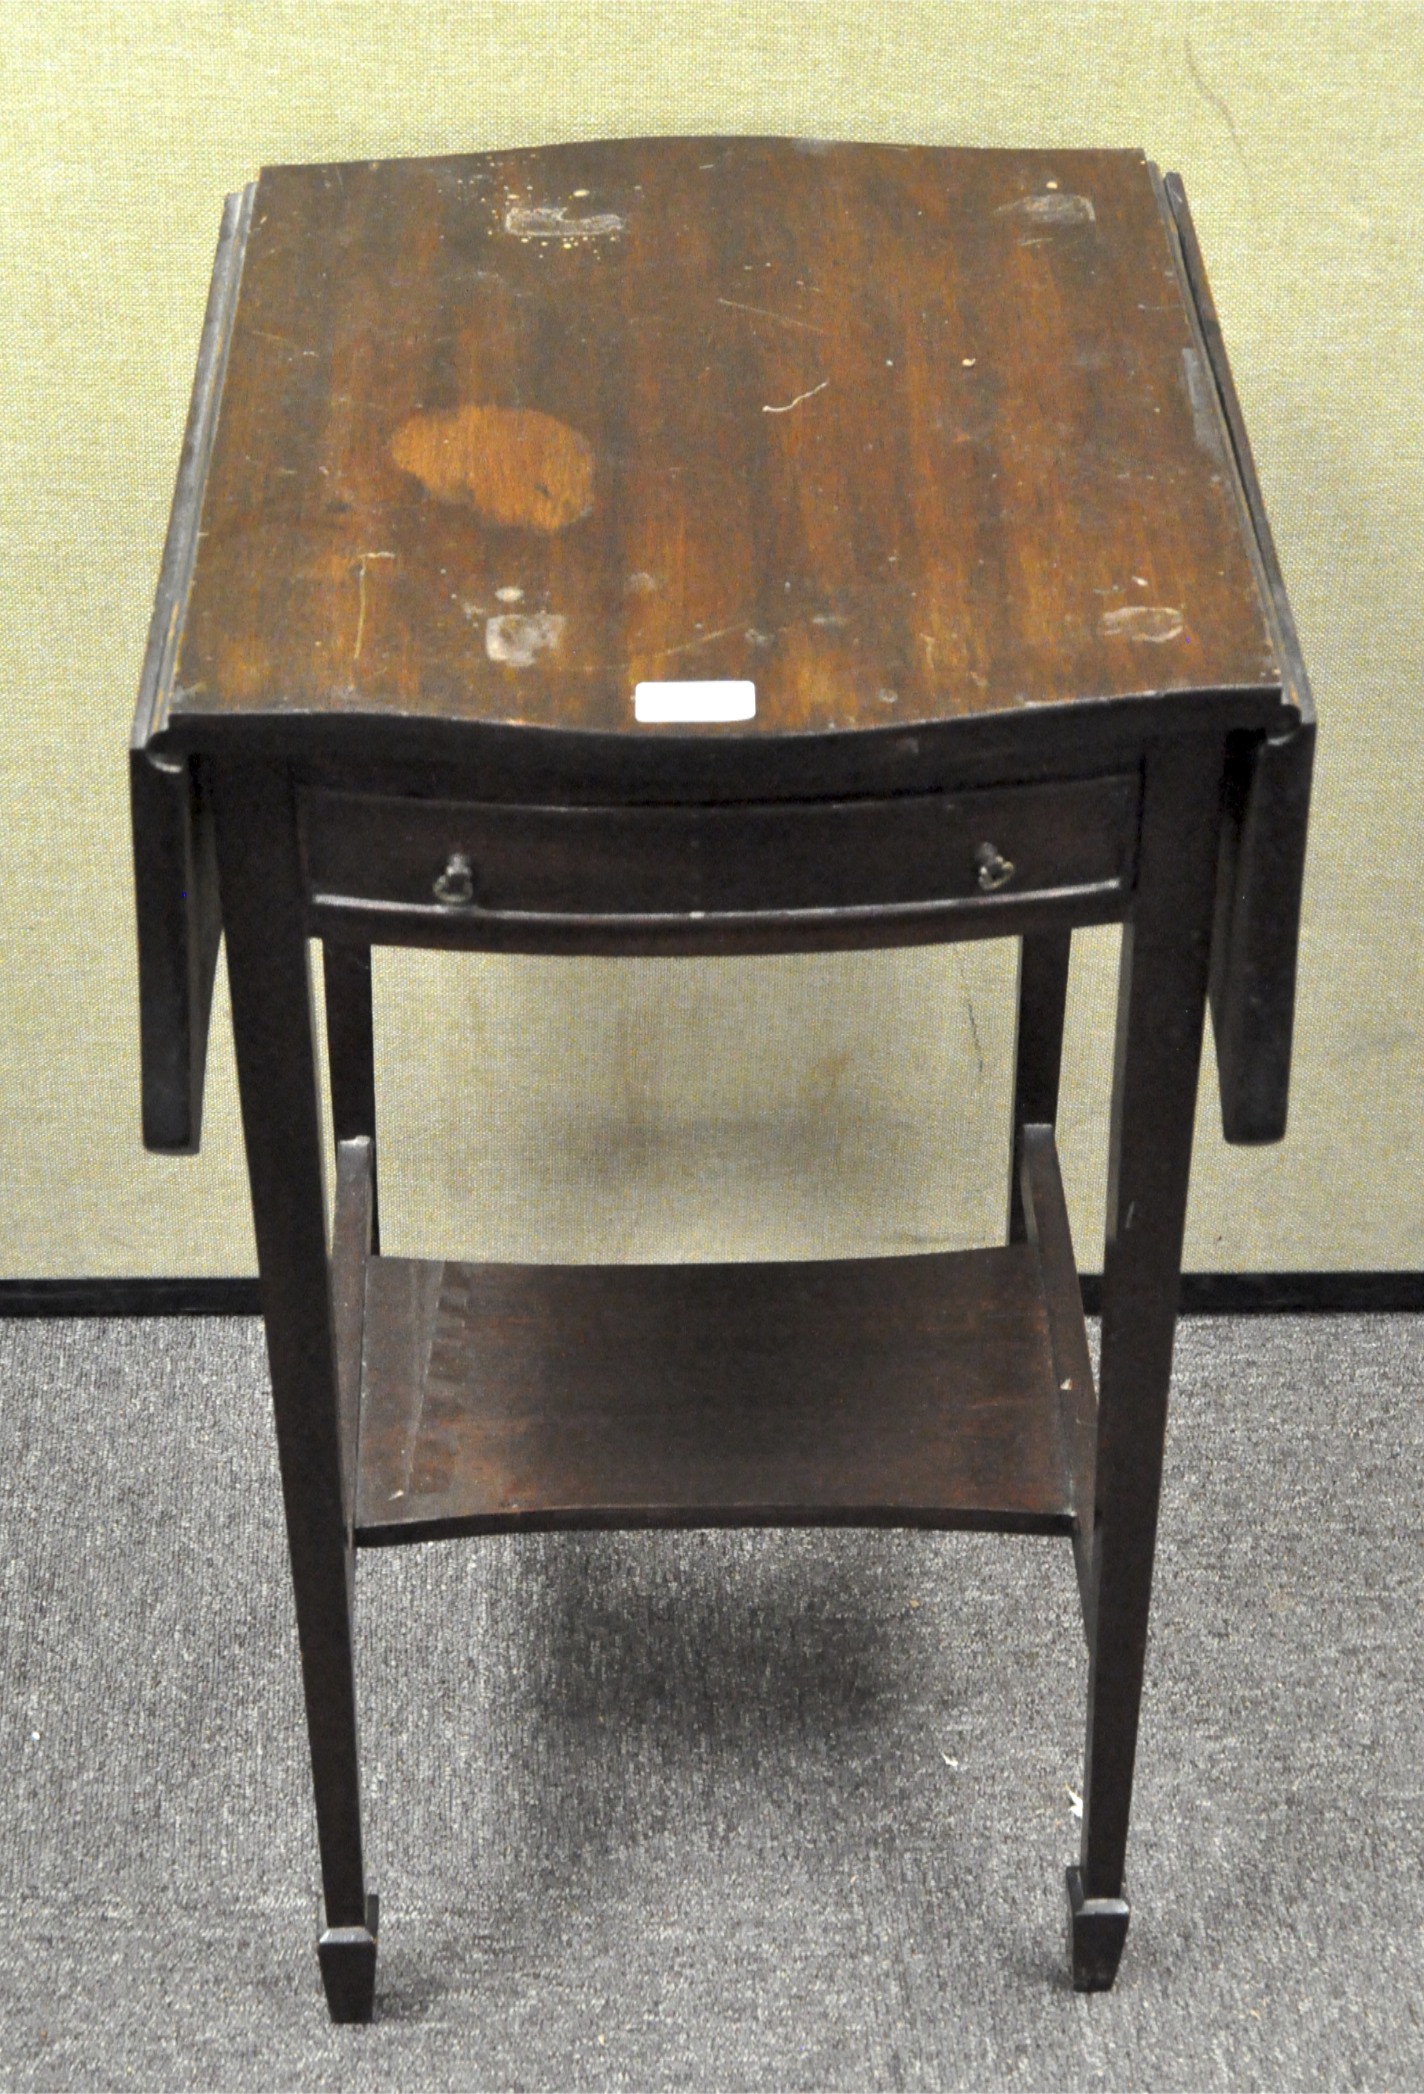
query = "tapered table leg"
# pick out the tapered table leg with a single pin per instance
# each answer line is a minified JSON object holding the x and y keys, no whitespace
{"x":1161,"y":1000}
{"x":1038,"y":1050}
{"x":350,"y":1050}
{"x":264,"y":921}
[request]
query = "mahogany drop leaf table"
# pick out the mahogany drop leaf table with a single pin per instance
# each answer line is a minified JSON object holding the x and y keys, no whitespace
{"x":718,"y":546}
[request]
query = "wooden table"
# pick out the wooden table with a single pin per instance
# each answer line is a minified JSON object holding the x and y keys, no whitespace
{"x":716,"y":546}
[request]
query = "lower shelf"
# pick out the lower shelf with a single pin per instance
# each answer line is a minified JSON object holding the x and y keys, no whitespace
{"x":921,"y":1391}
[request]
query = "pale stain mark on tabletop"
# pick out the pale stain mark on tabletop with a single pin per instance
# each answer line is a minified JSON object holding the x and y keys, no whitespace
{"x":553,"y":222}
{"x":516,"y":466}
{"x":1143,"y":621}
{"x":1059,"y":209}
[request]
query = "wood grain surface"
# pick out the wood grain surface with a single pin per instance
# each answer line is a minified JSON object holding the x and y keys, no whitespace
{"x":898,"y":435}
{"x":894,"y":1391}
{"x":1074,"y":841}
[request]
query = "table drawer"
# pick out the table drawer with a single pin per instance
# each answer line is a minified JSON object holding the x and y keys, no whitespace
{"x":446,"y":860}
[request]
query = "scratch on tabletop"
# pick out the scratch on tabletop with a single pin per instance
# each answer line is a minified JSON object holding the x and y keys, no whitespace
{"x":361,"y":560}
{"x":702,"y":640}
{"x":799,"y":398}
{"x":283,"y":341}
{"x":764,"y":313}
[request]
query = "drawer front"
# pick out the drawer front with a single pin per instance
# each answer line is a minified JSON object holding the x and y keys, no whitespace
{"x":451,"y":860}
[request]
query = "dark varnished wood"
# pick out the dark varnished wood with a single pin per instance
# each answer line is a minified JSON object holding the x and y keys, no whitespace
{"x":1161,"y":1005}
{"x":524,"y":877}
{"x":347,"y":1956}
{"x":1255,"y":944}
{"x":1038,"y":1050}
{"x":1257,"y":932}
{"x":1097,"y":1932}
{"x":567,"y":759}
{"x":175,"y":872}
{"x":1225,"y":402}
{"x":991,"y":496}
{"x":351,"y":1249}
{"x":350,"y":1049}
{"x":759,"y":931}
{"x":179,"y":925}
{"x":1261,"y":875}
{"x":939,"y":450}
{"x":1045,"y":1213}
{"x":880,"y":1391}
{"x":264,"y":918}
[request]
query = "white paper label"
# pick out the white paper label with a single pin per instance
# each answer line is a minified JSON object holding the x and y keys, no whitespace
{"x":663,"y":704}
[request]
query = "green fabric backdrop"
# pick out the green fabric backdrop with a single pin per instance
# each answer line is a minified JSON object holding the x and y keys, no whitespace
{"x":648,"y":1109}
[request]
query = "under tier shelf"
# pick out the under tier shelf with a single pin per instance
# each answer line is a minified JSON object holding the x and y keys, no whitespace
{"x":911,"y":1391}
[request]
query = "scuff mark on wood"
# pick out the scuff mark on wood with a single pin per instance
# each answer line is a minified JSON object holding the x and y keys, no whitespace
{"x":1060,"y":208}
{"x":518,"y":638}
{"x":554,"y":222}
{"x":1143,"y":621}
{"x":361,"y":560}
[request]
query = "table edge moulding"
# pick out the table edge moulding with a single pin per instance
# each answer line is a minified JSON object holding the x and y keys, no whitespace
{"x":331,"y":743}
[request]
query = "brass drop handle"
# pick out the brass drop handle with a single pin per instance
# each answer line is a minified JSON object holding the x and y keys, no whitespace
{"x":994,"y":871}
{"x":456,"y":885}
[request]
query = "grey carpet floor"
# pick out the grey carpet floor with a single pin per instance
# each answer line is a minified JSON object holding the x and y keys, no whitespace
{"x":737,"y":1810}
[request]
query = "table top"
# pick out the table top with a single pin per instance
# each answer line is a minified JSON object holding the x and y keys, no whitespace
{"x":890,"y":435}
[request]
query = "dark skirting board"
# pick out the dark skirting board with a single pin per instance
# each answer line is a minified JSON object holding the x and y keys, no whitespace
{"x":1203,"y":1294}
